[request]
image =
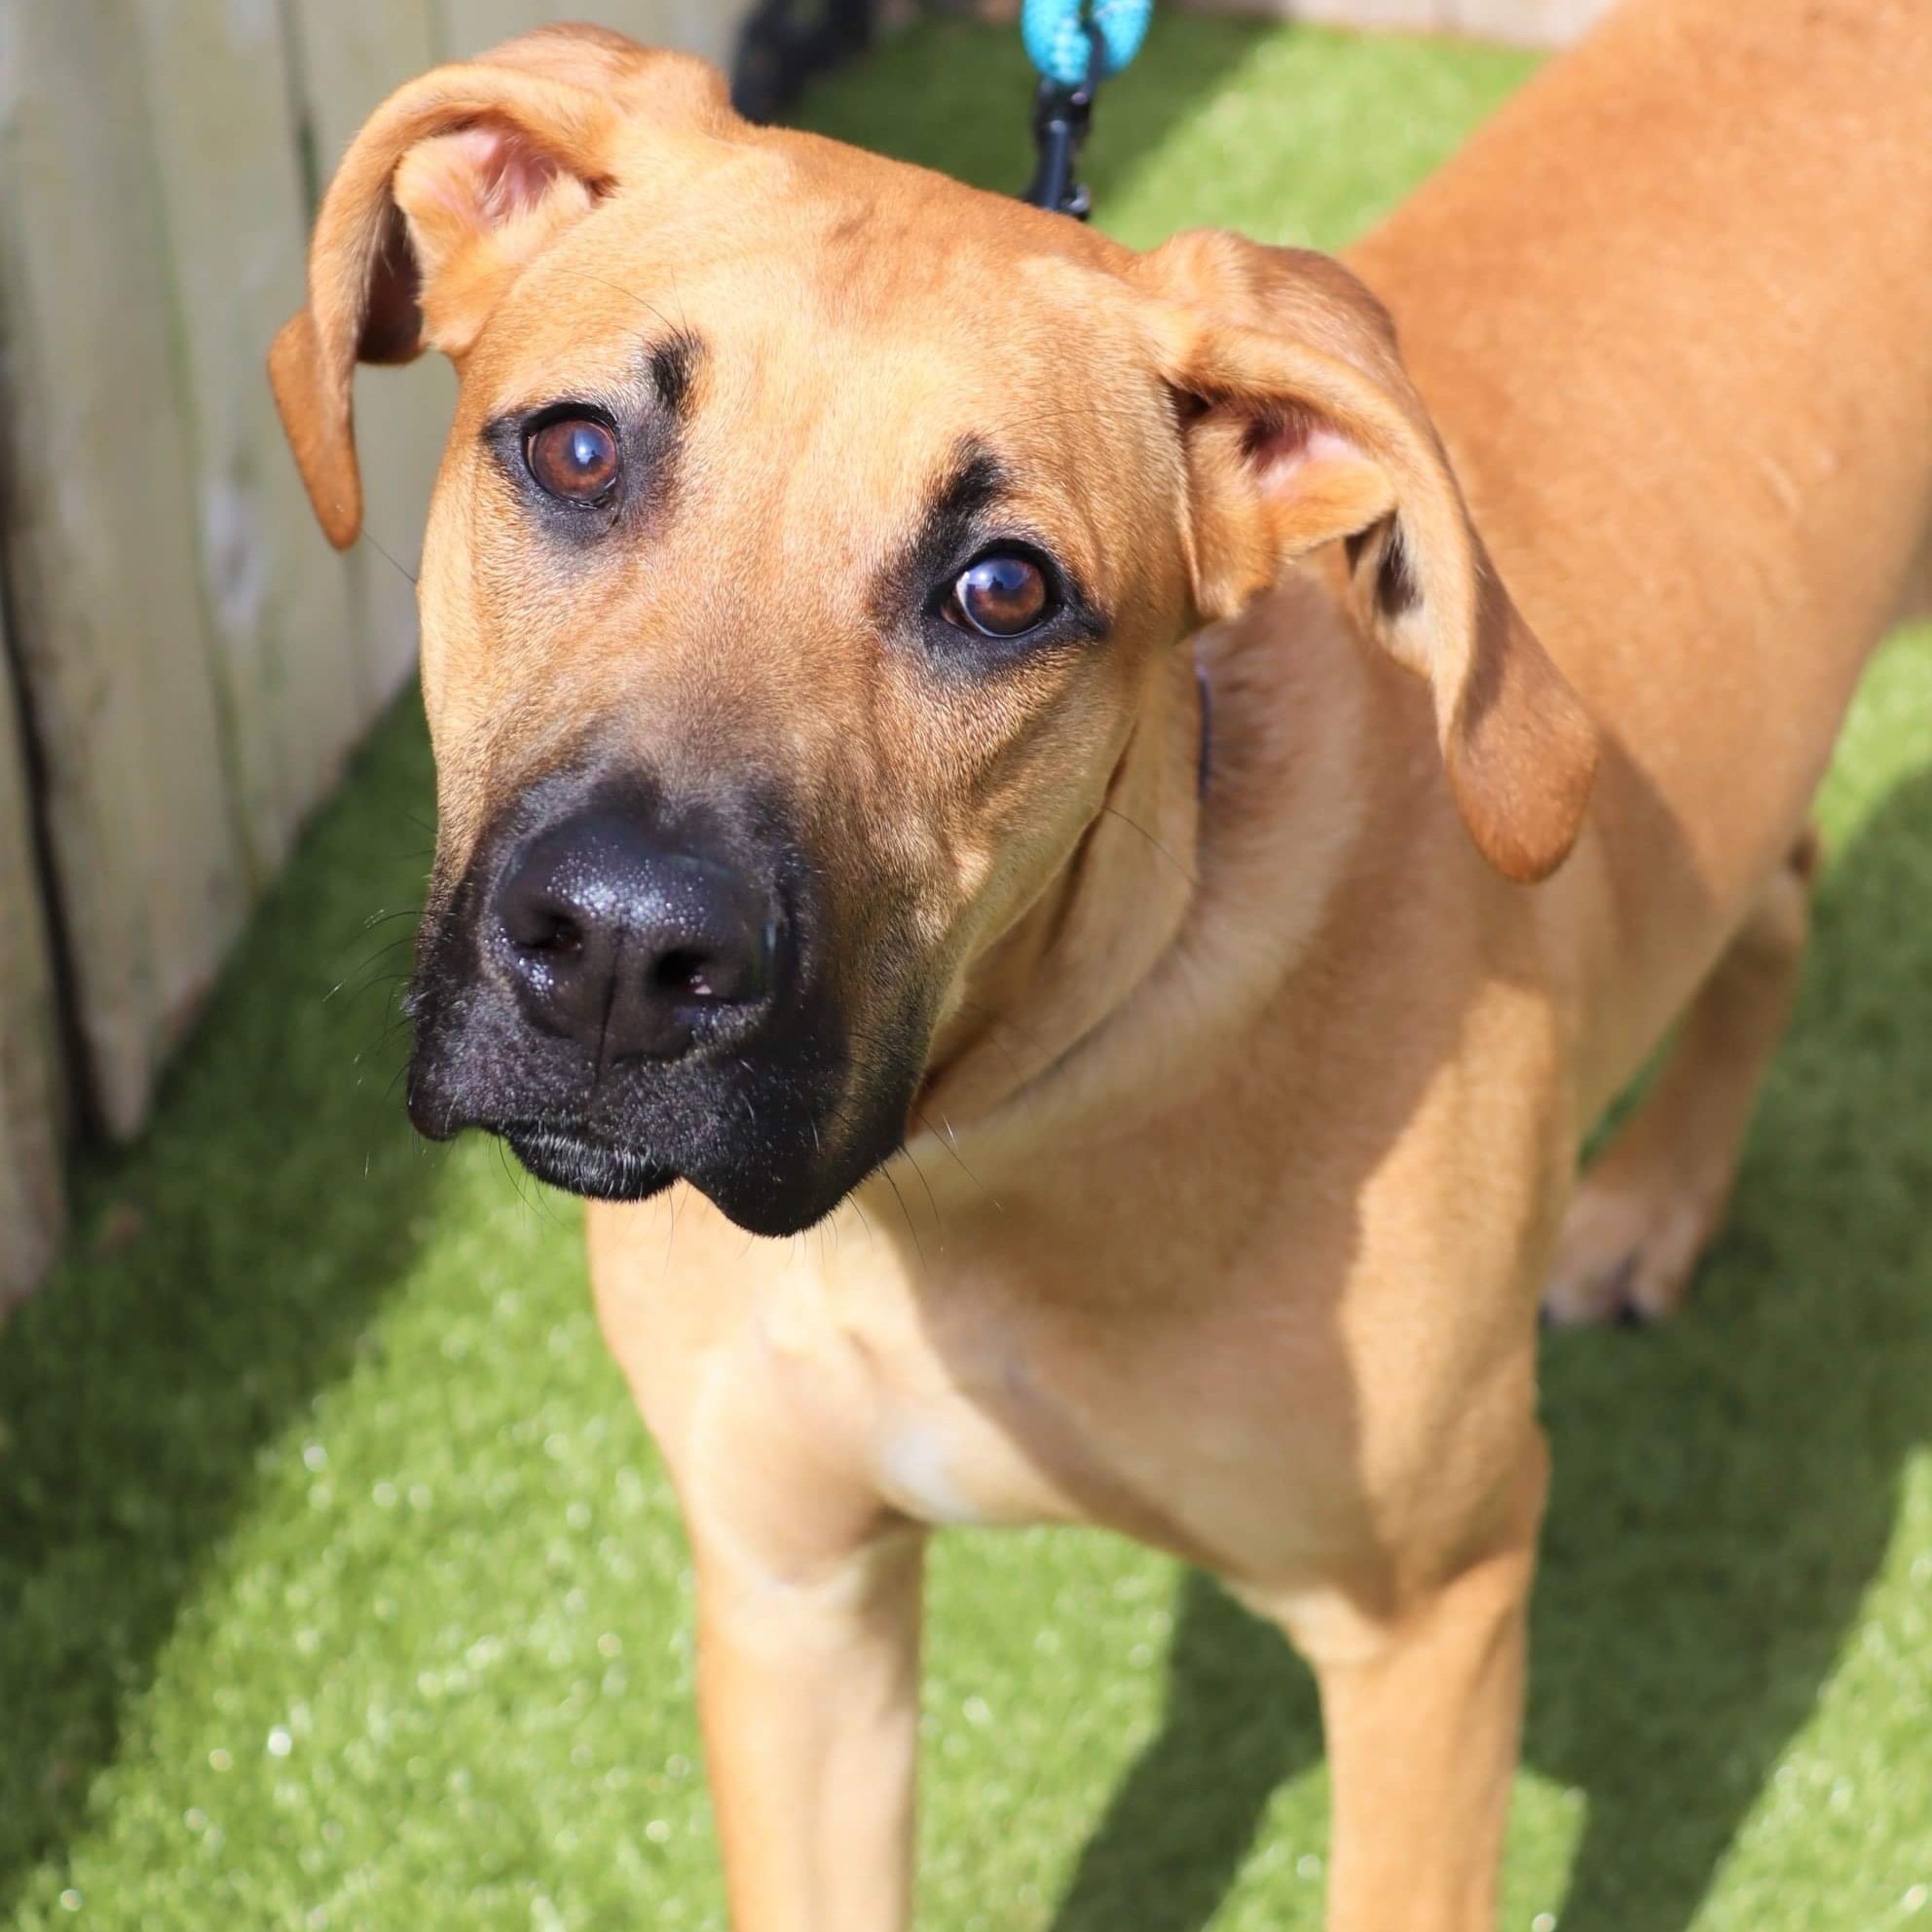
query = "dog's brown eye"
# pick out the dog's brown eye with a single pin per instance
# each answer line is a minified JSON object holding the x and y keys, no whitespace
{"x":575,"y":459}
{"x":1000,"y":596}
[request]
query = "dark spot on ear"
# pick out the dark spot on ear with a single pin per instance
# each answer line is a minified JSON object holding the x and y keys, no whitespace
{"x":1395,"y":591}
{"x":671,"y":364}
{"x":393,"y":322}
{"x":1188,"y":407}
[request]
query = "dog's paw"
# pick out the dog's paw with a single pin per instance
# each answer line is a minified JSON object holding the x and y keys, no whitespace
{"x":1626,"y":1254}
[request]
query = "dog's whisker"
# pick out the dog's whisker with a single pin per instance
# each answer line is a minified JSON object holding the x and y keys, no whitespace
{"x":629,"y":295}
{"x":383,"y":551}
{"x":918,"y":1246}
{"x":1001,"y":1024}
{"x":366,"y":978}
{"x":677,"y":1202}
{"x":1006,"y":1022}
{"x":865,"y":1220}
{"x":949,"y":1143}
{"x":1113,"y":811}
{"x":932,"y":1200}
{"x":371,"y":971}
{"x":379,"y":1045}
{"x":514,"y":1176}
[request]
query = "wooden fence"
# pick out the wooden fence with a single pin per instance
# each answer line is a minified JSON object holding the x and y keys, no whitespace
{"x":187,"y":665}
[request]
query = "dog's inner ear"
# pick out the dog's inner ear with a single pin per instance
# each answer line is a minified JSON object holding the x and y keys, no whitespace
{"x":1300,"y":429}
{"x":1269,"y":481}
{"x":473,"y":206}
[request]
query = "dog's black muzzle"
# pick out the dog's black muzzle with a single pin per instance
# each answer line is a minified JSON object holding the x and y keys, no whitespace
{"x":631,"y":990}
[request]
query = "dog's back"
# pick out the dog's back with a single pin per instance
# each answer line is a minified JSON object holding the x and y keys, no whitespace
{"x":1673,"y":310}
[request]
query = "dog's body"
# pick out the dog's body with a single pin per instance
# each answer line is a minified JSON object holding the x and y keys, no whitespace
{"x":1247,"y":1113}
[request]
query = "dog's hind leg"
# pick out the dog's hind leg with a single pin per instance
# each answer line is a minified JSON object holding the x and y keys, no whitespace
{"x":1652,"y":1201}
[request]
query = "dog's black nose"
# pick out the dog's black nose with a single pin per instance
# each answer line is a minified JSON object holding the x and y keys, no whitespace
{"x":629,"y":945}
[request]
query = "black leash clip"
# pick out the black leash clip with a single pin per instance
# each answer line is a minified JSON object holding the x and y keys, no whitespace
{"x":1062,"y":118}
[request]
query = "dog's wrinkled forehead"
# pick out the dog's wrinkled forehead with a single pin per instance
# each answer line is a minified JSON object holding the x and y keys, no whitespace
{"x":848,"y":328}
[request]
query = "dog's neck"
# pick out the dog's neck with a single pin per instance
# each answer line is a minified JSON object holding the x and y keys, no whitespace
{"x":1105,"y":916}
{"x":1184,"y":905}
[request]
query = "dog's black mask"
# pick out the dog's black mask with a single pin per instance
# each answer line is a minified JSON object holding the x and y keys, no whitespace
{"x":633,"y":989}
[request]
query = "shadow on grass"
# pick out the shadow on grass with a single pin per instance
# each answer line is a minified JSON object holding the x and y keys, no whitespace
{"x":1725,"y":1487}
{"x":225,"y":1272}
{"x":1240,"y":1719}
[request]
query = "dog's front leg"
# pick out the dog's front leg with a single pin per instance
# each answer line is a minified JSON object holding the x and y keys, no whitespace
{"x":1422,"y":1714}
{"x":809,"y":1583}
{"x":808,"y":1693}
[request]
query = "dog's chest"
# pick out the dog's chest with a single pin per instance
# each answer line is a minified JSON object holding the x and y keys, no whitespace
{"x":924,"y":1398}
{"x":1167,"y":1389}
{"x":975,"y":1401}
{"x":938,"y":1468}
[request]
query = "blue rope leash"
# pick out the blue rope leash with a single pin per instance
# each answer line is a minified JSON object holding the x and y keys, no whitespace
{"x":1057,"y":35}
{"x":1076,"y":44}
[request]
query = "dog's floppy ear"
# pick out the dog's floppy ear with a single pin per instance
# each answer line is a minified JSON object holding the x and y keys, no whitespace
{"x":454,"y":182}
{"x":1301,"y":429}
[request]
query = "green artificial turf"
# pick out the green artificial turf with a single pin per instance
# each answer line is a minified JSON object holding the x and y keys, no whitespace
{"x":339,"y":1587}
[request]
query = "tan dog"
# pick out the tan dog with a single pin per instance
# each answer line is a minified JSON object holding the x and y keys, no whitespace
{"x":805,"y":610}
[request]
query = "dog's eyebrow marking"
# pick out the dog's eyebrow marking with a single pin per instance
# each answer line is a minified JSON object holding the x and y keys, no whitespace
{"x":671,"y":363}
{"x":972,"y":483}
{"x":954,"y":523}
{"x":648,"y":419}
{"x":975,"y":483}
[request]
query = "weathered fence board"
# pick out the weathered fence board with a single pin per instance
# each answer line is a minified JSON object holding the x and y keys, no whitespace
{"x":277,"y":602}
{"x":102,"y":547}
{"x":471,"y":26}
{"x":700,"y":27}
{"x":30,"y":1210}
{"x":347,"y":56}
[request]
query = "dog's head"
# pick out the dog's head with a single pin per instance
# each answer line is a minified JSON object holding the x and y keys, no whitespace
{"x":810,"y":530}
